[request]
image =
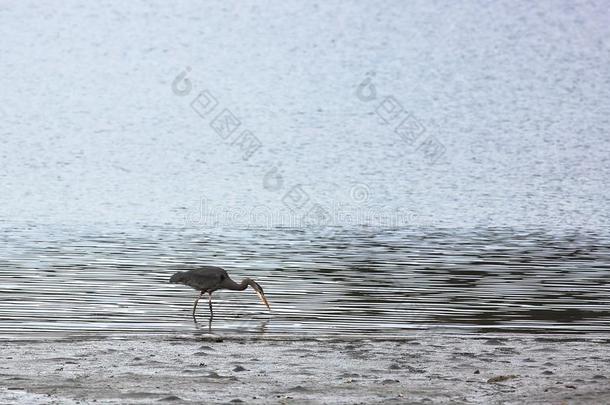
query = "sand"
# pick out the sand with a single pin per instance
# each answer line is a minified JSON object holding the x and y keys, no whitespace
{"x":425,"y":368}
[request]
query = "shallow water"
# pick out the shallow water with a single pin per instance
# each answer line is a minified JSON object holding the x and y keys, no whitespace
{"x":465,"y":192}
{"x":377,"y":282}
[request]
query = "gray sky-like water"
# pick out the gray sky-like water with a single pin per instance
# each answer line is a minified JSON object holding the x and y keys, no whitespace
{"x":162,"y":124}
{"x":517,"y":93}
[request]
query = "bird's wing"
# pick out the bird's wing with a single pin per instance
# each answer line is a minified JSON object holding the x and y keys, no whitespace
{"x":205,"y":278}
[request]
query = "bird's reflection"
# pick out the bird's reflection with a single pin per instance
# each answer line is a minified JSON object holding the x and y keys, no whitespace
{"x":200,"y":327}
{"x":260,"y":328}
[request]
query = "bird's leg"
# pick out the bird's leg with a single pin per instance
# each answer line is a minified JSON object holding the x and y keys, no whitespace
{"x":210,"y":303}
{"x":195,"y":306}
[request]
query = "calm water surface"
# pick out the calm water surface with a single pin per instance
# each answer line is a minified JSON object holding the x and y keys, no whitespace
{"x":356,"y":281}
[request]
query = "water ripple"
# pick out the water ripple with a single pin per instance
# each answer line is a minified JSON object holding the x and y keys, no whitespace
{"x":356,"y":281}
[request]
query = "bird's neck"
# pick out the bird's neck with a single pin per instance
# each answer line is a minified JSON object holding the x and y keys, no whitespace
{"x":232,"y":285}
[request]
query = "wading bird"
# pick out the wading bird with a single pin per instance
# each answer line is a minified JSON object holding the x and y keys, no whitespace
{"x":209,"y":279}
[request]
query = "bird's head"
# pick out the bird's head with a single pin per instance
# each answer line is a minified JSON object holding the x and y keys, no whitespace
{"x":177,"y":278}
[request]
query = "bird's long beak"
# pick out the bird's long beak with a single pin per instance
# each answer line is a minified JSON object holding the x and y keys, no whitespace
{"x":263,"y":299}
{"x":259,"y":291}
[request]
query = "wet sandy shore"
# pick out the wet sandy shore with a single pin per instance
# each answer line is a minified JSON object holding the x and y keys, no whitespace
{"x":206,"y":369}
